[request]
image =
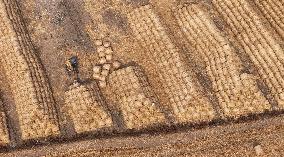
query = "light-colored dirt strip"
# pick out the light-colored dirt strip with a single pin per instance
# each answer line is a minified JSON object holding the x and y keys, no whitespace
{"x":260,"y":45}
{"x":184,"y":97}
{"x":237,"y":92}
{"x":135,"y":98}
{"x":273,"y":11}
{"x":84,"y":105}
{"x":4,"y":135}
{"x":31,"y":92}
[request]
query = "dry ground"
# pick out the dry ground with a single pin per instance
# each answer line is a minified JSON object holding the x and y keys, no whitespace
{"x":197,"y":78}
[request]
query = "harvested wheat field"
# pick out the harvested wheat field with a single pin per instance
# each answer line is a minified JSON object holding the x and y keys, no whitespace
{"x":141,"y":78}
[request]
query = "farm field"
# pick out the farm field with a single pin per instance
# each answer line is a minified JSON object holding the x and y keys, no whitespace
{"x":141,"y":77}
